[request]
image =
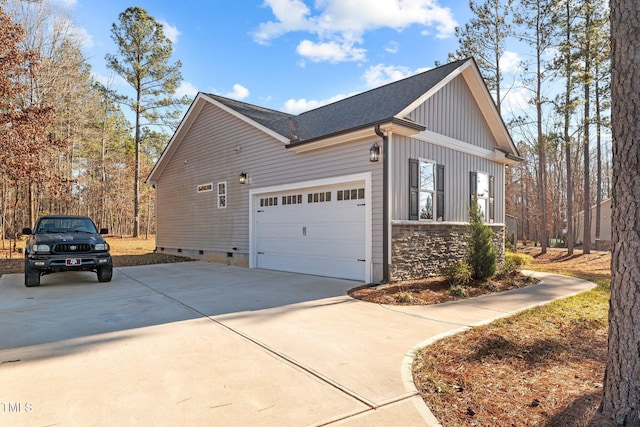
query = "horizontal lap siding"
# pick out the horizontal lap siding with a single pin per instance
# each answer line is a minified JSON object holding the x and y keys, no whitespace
{"x":189,"y":220}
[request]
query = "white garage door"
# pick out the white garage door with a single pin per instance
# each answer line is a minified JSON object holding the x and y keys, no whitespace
{"x":319,"y":230}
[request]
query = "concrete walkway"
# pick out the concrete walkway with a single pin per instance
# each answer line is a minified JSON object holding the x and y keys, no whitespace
{"x":211,"y":345}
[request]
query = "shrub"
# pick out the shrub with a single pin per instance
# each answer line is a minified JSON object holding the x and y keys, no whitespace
{"x":457,"y":274}
{"x":518,"y":259}
{"x":491,"y":287}
{"x":512,"y":263}
{"x":458,"y":291}
{"x":404,"y":297}
{"x":481,"y":253}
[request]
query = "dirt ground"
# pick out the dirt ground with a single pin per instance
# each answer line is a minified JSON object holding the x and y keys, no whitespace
{"x":125,"y":251}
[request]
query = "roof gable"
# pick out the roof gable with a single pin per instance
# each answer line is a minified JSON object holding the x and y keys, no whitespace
{"x":391,"y":103}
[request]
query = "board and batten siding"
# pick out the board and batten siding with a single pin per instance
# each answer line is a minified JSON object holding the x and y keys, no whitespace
{"x":216,"y":148}
{"x":457,"y":166}
{"x":453,"y":112}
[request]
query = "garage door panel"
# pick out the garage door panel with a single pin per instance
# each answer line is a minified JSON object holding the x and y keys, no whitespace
{"x":325,"y":237}
{"x":323,"y":266}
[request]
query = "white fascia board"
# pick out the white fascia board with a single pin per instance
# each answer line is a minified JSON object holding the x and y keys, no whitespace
{"x":356,"y":135}
{"x":247,"y":120}
{"x":463,"y":147}
{"x":335,"y":140}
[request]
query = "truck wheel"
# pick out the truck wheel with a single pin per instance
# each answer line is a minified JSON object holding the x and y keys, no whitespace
{"x":31,"y":275}
{"x":105,"y":273}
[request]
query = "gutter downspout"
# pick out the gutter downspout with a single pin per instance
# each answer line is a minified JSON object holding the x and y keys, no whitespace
{"x":385,"y":204}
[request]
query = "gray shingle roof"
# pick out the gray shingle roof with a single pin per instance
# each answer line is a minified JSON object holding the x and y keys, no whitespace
{"x":368,"y":108}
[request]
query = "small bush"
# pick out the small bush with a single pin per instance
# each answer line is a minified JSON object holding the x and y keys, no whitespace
{"x":511,"y":264}
{"x":404,"y":297}
{"x":457,"y":274}
{"x":490,"y":287}
{"x":458,"y":291}
{"x":518,"y":259}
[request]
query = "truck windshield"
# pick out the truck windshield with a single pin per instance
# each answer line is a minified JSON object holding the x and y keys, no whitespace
{"x":66,"y":225}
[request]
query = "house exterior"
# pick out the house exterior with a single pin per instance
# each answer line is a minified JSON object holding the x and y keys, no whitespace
{"x":604,"y":240}
{"x":374,"y":187}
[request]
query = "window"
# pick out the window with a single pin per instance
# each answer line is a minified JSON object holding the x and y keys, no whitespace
{"x":268,"y":201}
{"x":322,"y":197}
{"x":202,"y":188}
{"x":426,"y":190}
{"x":222,"y":194}
{"x":295,"y":199}
{"x":482,"y":187}
{"x":353,"y":194}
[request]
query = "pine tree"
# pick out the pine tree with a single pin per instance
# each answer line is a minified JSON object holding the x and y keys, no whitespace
{"x":143,"y":61}
{"x":481,"y":252}
{"x":484,"y":38}
{"x":621,"y":392}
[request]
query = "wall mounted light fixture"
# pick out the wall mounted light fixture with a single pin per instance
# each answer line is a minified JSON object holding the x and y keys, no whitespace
{"x":243,"y":177}
{"x":374,"y":152}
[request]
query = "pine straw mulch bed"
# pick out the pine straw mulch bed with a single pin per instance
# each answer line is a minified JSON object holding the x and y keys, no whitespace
{"x":434,"y":290}
{"x":542,"y":367}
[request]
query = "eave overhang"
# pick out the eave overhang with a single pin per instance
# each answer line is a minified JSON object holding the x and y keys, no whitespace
{"x":395,"y":125}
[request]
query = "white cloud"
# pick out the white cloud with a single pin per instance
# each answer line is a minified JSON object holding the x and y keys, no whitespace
{"x":186,"y":88}
{"x":297,"y":106}
{"x":392,"y":47}
{"x":510,"y":62}
{"x":170,"y":31}
{"x":239,"y":92}
{"x":381,"y":74}
{"x":518,"y":99}
{"x":291,"y":15}
{"x":339,"y":23}
{"x":83,"y":36}
{"x":330,"y":51}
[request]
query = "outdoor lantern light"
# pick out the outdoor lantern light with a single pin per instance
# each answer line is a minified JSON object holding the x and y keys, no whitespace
{"x":243,"y":177}
{"x":374,"y":152}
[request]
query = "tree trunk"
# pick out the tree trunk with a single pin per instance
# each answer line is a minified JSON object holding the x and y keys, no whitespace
{"x":566,"y":135}
{"x":586,"y":232}
{"x":542,"y":147}
{"x":136,"y":178}
{"x":621,"y":391}
{"x":598,"y":158}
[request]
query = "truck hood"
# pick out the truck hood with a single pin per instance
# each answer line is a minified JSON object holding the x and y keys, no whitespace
{"x":68,"y":238}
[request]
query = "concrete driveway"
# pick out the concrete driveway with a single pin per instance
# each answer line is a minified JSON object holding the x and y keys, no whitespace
{"x":212,"y":345}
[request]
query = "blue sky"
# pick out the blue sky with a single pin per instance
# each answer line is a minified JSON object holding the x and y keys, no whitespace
{"x":289,"y":55}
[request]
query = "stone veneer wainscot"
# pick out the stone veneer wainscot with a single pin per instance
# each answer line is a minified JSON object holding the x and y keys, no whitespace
{"x":421,"y":249}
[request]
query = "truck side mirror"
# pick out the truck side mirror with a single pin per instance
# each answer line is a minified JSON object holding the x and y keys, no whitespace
{"x":27,"y":231}
{"x":104,"y":231}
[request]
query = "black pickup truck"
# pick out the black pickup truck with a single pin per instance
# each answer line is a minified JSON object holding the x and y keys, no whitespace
{"x":65,"y":243}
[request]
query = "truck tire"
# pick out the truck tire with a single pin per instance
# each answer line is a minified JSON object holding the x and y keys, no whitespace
{"x":105,"y":273}
{"x":31,"y":275}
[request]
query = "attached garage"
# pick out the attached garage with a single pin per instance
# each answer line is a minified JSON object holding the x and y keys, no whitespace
{"x":320,"y":227}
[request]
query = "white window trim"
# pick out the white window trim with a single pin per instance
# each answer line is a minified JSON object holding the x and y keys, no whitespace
{"x":221,"y":195}
{"x":205,"y":188}
{"x":422,"y":160}
{"x":485,"y":200}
